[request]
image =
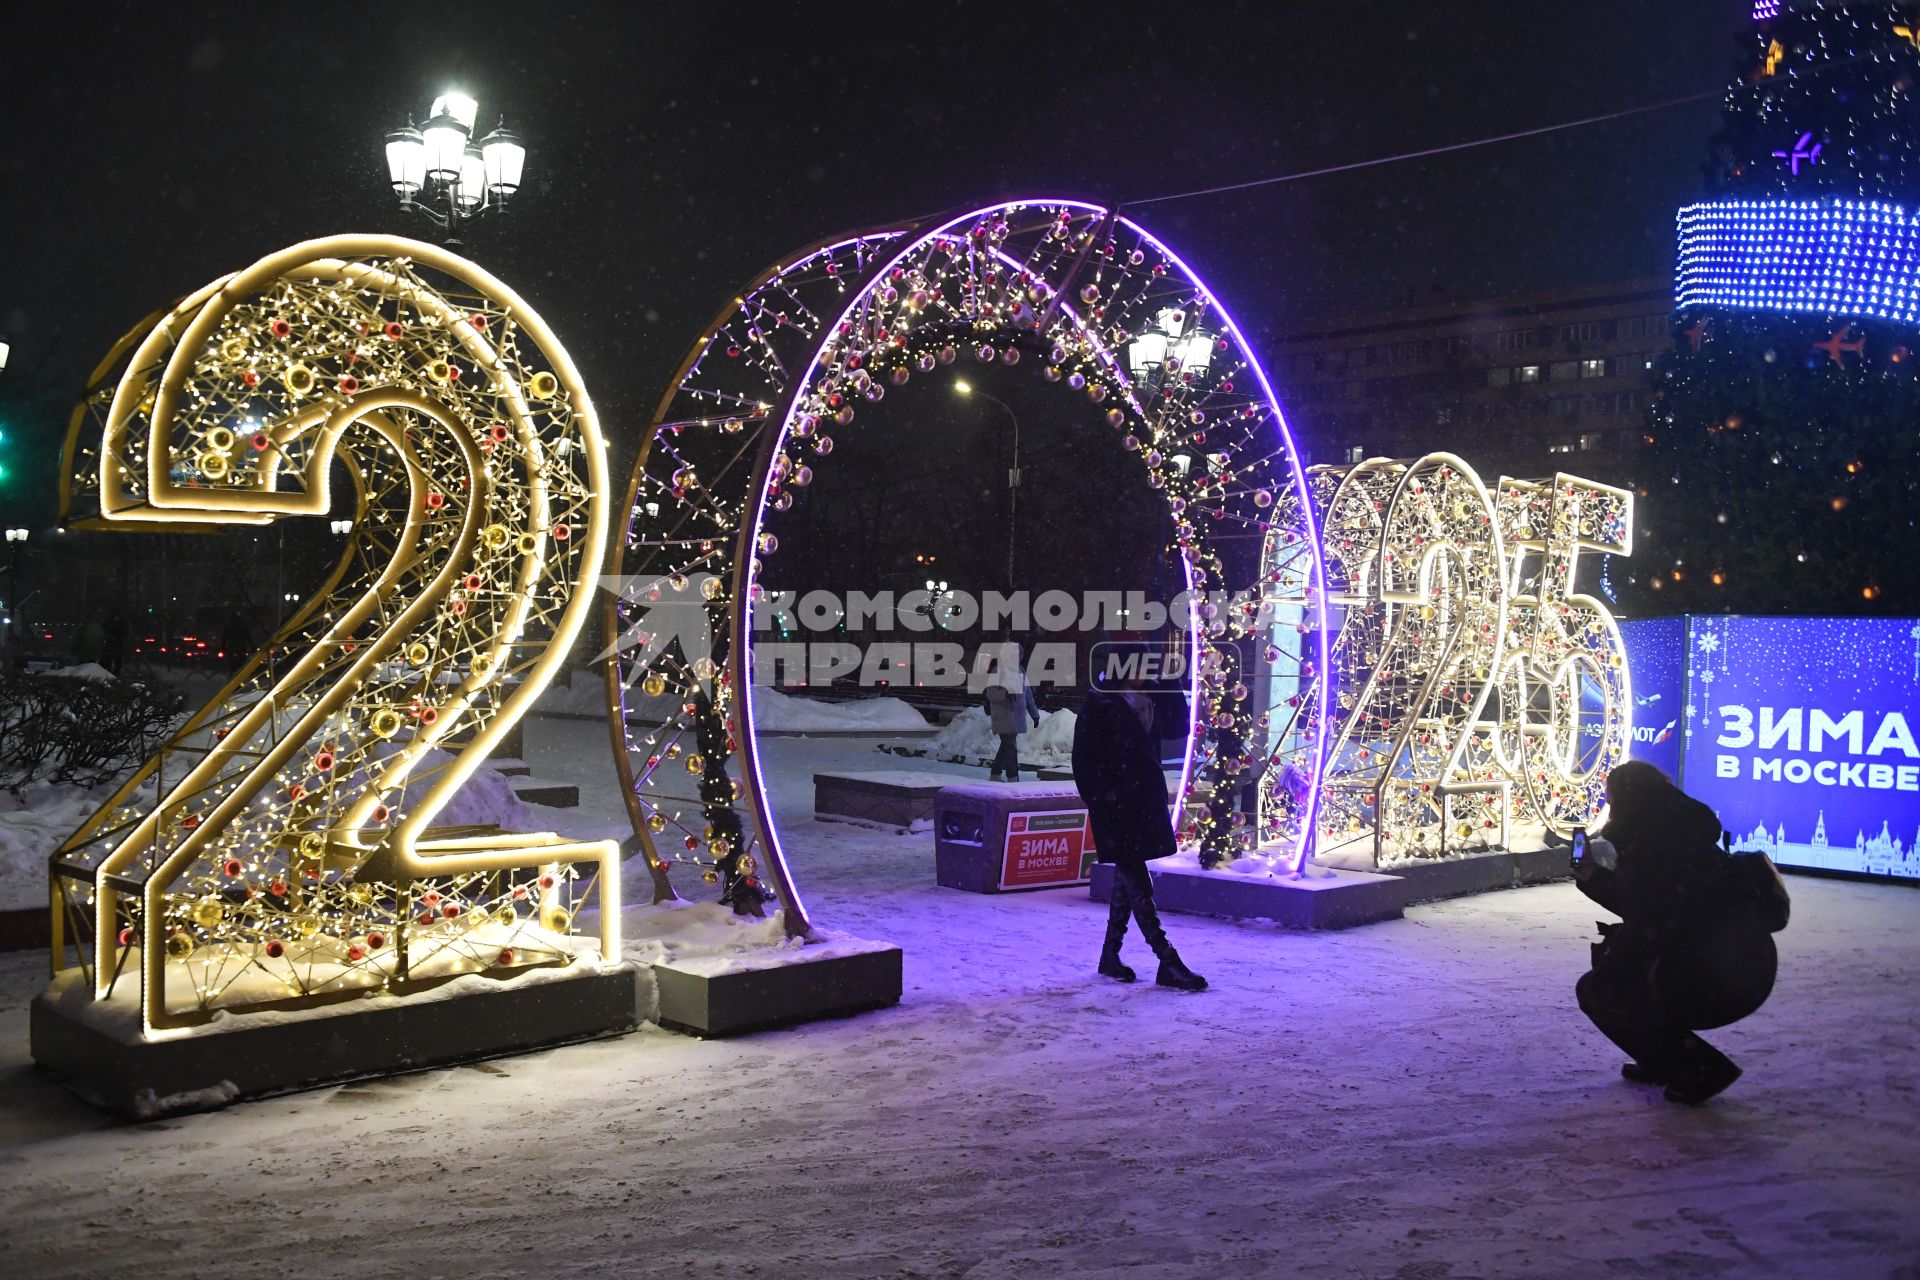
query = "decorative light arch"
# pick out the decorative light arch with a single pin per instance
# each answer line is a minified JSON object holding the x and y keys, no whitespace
{"x":1066,"y":283}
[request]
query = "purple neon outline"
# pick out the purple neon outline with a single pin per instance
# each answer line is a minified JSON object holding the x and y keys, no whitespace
{"x":1318,"y":580}
{"x":766,"y":282}
{"x":743,"y":612}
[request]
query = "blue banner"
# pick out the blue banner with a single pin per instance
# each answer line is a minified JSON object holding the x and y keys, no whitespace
{"x":1800,"y":732}
{"x":1656,"y":659}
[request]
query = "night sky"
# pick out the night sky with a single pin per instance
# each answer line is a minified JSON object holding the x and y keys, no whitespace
{"x":676,"y":149}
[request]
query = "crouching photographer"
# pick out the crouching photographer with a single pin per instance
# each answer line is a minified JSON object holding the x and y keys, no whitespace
{"x":1693,"y":949}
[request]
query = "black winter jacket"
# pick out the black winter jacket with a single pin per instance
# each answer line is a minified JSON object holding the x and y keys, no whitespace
{"x":1116,"y":766}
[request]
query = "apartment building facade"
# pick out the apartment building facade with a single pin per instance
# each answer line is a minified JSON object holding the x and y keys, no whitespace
{"x":1543,"y":381}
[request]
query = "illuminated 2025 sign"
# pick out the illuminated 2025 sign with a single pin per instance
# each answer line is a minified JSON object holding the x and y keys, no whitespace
{"x":1478,"y":697}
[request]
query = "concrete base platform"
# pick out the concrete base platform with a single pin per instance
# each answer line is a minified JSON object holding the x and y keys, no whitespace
{"x":26,"y":929}
{"x":741,"y":994}
{"x":1482,"y":872}
{"x":99,"y":1052}
{"x":1325,"y":898}
{"x":885,"y":797}
{"x":555,"y":795}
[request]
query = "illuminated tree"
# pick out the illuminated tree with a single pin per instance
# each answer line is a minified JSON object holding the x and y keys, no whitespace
{"x":1778,"y":477}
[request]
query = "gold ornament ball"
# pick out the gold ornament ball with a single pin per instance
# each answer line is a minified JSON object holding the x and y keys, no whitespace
{"x":209,"y":912}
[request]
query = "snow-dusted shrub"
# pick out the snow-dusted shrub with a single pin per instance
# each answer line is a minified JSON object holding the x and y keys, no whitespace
{"x":60,"y":728}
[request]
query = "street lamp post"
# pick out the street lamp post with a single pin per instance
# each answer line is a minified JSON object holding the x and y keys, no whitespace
{"x":440,"y":172}
{"x":16,"y":543}
{"x":965,"y":388}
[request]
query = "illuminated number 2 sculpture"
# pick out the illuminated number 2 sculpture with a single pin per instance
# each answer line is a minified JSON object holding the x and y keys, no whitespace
{"x":1465,"y":659}
{"x":279,"y":848}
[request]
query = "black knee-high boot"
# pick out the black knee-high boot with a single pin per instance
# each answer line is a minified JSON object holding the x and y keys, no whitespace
{"x":1119,"y":907}
{"x":1173,"y":971}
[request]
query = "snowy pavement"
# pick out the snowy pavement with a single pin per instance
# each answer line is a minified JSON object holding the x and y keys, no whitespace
{"x":1414,"y":1099}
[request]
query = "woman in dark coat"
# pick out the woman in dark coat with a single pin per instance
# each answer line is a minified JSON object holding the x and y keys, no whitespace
{"x":1688,"y":955}
{"x":1116,"y":766}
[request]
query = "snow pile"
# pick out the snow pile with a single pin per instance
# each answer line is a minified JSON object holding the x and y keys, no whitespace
{"x":85,"y":671}
{"x":776,"y":712}
{"x":970,"y":736}
{"x":31,"y":828}
{"x":585,"y":694}
{"x":1054,"y":737}
{"x":486,"y":797}
{"x":147,"y":1105}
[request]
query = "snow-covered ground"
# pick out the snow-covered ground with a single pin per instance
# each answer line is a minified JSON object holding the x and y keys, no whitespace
{"x":1414,"y":1099}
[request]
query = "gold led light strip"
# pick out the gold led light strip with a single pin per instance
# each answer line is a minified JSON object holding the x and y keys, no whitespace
{"x":280,"y":853}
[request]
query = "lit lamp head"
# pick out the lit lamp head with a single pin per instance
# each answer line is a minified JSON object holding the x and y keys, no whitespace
{"x":506,"y":157}
{"x":963,"y":387}
{"x":459,"y":106}
{"x":446,"y":141}
{"x":1147,"y":354}
{"x":5,"y":351}
{"x":472,"y":188}
{"x":406,"y":161}
{"x":1195,"y":352}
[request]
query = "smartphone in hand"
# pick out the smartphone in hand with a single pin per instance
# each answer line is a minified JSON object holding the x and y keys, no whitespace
{"x":1579,"y":846}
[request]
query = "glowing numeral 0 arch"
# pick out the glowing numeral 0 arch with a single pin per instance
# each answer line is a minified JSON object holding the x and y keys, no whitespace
{"x":799,"y":356}
{"x":280,"y":846}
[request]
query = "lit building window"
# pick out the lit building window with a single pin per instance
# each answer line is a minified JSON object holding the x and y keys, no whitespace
{"x":1527,"y":373}
{"x":1593,"y":368}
